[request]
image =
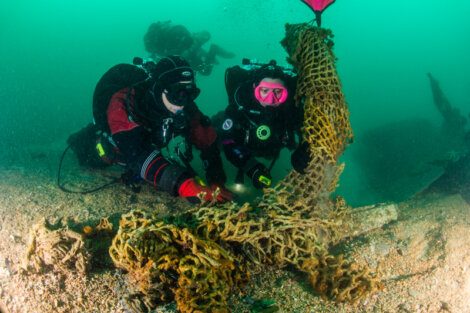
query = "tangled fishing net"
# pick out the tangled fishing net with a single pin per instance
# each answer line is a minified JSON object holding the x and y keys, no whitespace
{"x":326,"y":125}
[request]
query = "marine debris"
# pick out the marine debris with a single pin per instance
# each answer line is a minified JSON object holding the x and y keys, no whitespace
{"x":326,"y":116}
{"x":165,"y":262}
{"x":60,"y":249}
{"x":216,"y":248}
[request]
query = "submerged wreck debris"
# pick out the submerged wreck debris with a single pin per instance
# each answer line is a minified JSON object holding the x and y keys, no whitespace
{"x":199,"y":262}
{"x":455,"y":179}
{"x":58,"y":249}
{"x":454,"y":122}
{"x":456,"y":176}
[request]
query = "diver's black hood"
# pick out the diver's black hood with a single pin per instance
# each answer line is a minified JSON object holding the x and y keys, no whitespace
{"x":148,"y":105}
{"x":167,"y":72}
{"x":150,"y":109}
{"x":172,"y":69}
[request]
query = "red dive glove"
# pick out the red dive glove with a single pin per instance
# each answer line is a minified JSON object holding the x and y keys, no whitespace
{"x":190,"y":189}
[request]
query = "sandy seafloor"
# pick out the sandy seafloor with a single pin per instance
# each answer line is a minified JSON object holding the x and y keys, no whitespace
{"x":424,"y":256}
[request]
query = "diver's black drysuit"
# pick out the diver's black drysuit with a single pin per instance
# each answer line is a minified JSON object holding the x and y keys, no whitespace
{"x":249,"y":131}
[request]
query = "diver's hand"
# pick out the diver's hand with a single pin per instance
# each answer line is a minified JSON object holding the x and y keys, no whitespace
{"x":260,"y":176}
{"x":237,"y":155}
{"x":194,"y":192}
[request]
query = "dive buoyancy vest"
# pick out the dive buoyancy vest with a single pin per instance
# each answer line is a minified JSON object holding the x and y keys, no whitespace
{"x":116,"y":78}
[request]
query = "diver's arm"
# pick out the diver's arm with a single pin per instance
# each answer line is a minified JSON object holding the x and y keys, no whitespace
{"x":136,"y":150}
{"x":213,"y":166}
{"x":204,"y":137}
{"x":242,"y":158}
{"x":163,"y":175}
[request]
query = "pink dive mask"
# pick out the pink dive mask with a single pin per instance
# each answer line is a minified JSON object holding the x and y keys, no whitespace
{"x":270,"y":93}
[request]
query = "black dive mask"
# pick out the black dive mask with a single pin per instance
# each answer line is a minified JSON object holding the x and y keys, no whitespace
{"x":181,"y":93}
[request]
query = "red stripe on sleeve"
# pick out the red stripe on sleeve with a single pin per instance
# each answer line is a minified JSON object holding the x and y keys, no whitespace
{"x":156,"y":174}
{"x":150,"y":165}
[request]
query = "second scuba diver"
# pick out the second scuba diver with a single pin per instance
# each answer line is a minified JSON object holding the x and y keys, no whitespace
{"x":260,"y":120}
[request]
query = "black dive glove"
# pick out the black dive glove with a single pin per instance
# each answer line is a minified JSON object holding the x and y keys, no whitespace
{"x":260,"y":176}
{"x":237,"y":155}
{"x":300,"y":158}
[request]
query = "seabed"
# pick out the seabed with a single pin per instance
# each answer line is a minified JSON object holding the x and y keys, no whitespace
{"x":423,"y":257}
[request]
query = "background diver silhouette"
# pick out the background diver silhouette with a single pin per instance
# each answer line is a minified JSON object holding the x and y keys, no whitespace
{"x":165,"y":38}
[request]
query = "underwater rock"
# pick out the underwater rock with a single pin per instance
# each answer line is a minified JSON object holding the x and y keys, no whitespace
{"x":368,"y":218}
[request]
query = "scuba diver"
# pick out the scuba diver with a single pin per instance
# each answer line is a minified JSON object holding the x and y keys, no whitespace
{"x":260,"y":120}
{"x":164,"y":38}
{"x":137,"y":111}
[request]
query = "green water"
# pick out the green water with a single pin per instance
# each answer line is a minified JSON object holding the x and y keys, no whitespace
{"x":53,"y":52}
